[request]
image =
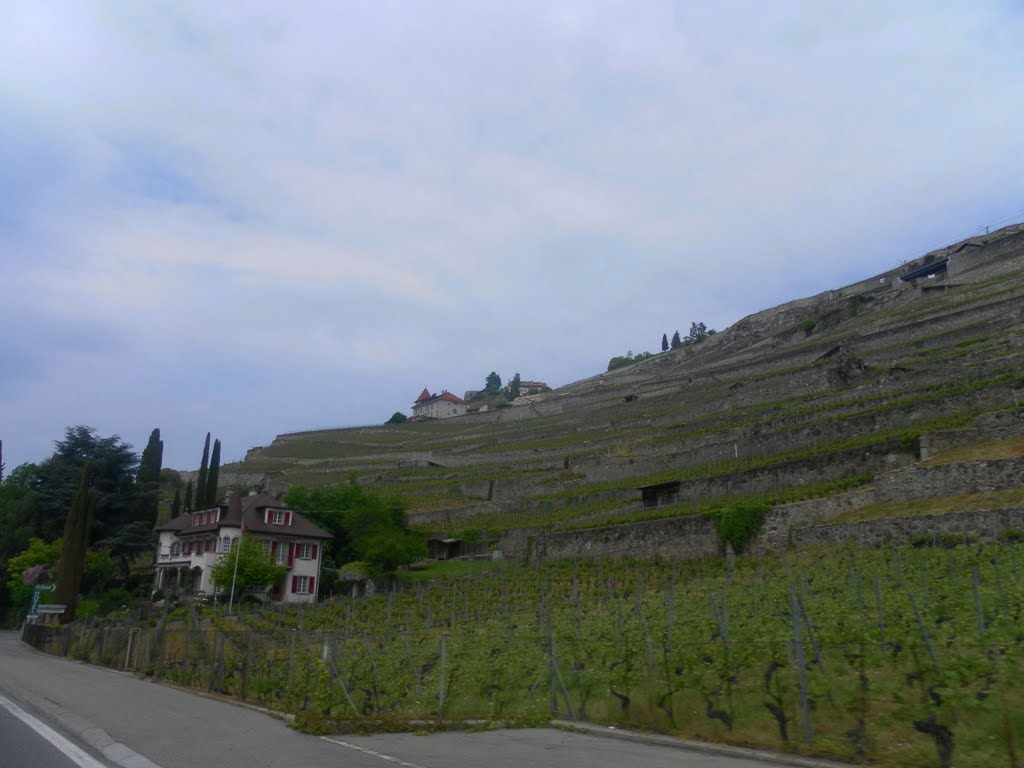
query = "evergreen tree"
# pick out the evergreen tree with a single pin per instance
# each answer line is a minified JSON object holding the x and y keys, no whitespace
{"x":493,"y":383}
{"x":147,"y":481}
{"x":200,"y":497}
{"x":176,"y":503}
{"x":664,"y":342}
{"x":188,"y":496}
{"x":112,"y":470}
{"x":213,"y":476}
{"x":676,"y":341}
{"x":513,"y":387}
{"x":76,"y":544}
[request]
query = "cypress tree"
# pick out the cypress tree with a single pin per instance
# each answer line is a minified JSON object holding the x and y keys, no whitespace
{"x":200,"y":497}
{"x":76,"y":543}
{"x":213,"y":476}
{"x":676,"y":341}
{"x":176,"y":503}
{"x":147,"y":481}
{"x":188,"y":497}
{"x":664,"y":342}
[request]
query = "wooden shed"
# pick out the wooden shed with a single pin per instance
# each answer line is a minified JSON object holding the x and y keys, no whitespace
{"x":444,"y":548}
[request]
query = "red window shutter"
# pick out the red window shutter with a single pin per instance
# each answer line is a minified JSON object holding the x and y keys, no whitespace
{"x":295,"y":584}
{"x":312,"y":579}
{"x":314,"y":552}
{"x":273,"y":548}
{"x":287,"y":518}
{"x":291,"y":554}
{"x":266,"y":516}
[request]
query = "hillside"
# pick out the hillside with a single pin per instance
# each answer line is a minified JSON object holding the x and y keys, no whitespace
{"x":804,"y":400}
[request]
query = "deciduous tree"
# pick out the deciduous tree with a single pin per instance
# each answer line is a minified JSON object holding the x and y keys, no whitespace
{"x":256,"y":567}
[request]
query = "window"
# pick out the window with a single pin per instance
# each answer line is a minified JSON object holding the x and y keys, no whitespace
{"x":225,"y":544}
{"x":211,"y":544}
{"x":304,"y":551}
{"x":279,"y":516}
{"x":175,"y":549}
{"x":282,"y":554}
{"x":234,"y":543}
{"x":302,"y":585}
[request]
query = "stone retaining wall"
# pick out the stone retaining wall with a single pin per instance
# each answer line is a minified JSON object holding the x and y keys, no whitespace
{"x":949,"y":480}
{"x":905,"y":530}
{"x":678,"y":538}
{"x":775,"y":533}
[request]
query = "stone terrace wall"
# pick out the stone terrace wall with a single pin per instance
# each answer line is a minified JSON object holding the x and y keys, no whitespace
{"x":678,"y":538}
{"x":775,"y":533}
{"x":987,"y":525}
{"x":1001,"y":425}
{"x":949,"y":480}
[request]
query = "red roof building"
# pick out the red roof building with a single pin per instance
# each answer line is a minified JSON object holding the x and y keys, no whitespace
{"x":441,"y":406}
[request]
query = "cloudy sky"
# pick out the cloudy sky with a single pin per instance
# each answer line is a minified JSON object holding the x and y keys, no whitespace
{"x":260,"y":217}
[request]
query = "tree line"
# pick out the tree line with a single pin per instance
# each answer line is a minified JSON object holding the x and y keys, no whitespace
{"x":698,"y":333}
{"x":85,"y":518}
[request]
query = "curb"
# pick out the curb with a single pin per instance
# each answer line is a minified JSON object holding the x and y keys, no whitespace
{"x":723,"y":750}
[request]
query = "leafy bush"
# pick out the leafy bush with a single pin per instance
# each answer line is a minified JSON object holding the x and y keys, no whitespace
{"x":628,"y":359}
{"x":738,"y":524}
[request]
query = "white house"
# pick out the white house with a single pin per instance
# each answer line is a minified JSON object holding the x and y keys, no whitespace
{"x":442,"y":406}
{"x":190,"y":544}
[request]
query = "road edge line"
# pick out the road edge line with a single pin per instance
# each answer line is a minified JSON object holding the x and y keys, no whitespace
{"x":65,"y":746}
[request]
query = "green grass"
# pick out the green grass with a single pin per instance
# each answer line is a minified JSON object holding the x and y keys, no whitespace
{"x":981,"y":451}
{"x":446,"y":569}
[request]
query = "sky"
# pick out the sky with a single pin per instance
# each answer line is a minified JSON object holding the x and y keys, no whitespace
{"x":251,"y":218}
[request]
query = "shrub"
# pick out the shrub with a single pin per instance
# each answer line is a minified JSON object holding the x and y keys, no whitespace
{"x":738,"y":523}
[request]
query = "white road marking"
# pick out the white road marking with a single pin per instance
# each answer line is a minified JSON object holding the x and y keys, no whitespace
{"x":72,"y":752}
{"x":371,"y":752}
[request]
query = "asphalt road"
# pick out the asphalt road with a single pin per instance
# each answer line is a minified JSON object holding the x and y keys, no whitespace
{"x":22,"y":747}
{"x":137,"y":723}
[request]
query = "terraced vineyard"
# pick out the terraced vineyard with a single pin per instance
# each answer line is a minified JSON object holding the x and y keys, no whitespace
{"x":806,"y":399}
{"x":900,"y":657}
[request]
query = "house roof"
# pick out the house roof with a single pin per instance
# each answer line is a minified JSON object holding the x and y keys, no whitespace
{"x":426,"y":397}
{"x":251,"y":509}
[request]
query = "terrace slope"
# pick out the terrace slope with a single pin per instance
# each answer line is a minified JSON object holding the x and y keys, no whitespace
{"x":799,"y":401}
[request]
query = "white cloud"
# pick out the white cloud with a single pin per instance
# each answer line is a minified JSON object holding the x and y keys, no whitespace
{"x":376,"y":196}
